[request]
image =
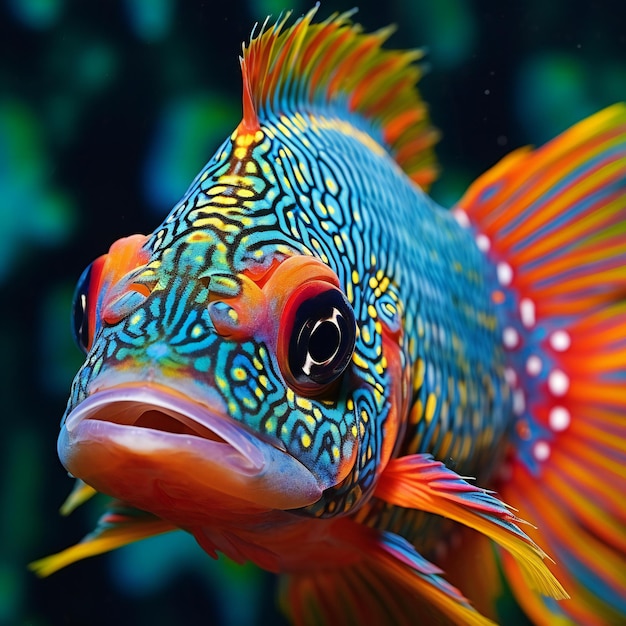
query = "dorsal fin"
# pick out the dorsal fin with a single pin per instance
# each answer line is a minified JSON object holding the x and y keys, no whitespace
{"x":335,"y":69}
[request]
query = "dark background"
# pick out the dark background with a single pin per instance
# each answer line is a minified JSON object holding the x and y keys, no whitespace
{"x":108,"y":109}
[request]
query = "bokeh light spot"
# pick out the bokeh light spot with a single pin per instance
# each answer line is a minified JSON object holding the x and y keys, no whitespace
{"x":36,"y":14}
{"x":191,"y":127}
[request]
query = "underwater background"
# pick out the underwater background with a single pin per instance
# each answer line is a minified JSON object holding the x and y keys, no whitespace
{"x":108,"y":109}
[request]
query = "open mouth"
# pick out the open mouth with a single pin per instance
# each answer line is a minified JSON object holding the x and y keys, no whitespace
{"x":150,"y":433}
{"x":170,"y":416}
{"x":146,"y":418}
{"x":158,"y":420}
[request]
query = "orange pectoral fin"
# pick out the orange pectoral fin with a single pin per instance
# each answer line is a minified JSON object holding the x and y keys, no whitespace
{"x":419,"y":482}
{"x":391,"y":584}
{"x":119,"y":526}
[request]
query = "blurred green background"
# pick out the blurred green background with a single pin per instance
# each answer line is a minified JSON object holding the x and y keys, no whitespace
{"x":108,"y":109}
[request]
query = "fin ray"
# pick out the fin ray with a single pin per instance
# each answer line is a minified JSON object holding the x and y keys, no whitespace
{"x":79,"y":495}
{"x":418,"y":481}
{"x":308,"y":68}
{"x":390,"y":584}
{"x":119,"y":526}
{"x":556,"y":217}
{"x":557,"y":208}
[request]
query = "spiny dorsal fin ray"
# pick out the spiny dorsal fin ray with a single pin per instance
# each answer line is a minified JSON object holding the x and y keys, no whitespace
{"x":333,"y":68}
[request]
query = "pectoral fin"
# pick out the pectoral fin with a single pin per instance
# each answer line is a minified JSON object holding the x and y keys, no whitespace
{"x":420,"y":482}
{"x":119,"y":526}
{"x":390,"y":584}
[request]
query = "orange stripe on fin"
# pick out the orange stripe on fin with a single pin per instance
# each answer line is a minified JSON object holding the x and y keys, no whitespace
{"x":560,"y":207}
{"x":555,"y":221}
{"x":420,"y":482}
{"x":332,"y":66}
{"x":390,"y":584}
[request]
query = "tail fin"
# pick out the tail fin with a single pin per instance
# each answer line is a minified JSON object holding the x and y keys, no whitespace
{"x":554,"y":223}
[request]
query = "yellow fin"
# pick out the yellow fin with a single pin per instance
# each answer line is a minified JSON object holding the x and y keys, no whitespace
{"x":79,"y":495}
{"x":118,"y":527}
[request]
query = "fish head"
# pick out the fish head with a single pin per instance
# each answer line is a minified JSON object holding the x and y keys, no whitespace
{"x":211,"y":379}
{"x":232,"y":355}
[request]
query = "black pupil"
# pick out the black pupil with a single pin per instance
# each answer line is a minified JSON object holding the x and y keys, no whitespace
{"x":322,"y":339}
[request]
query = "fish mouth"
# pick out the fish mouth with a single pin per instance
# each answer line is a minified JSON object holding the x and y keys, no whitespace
{"x":143,"y":442}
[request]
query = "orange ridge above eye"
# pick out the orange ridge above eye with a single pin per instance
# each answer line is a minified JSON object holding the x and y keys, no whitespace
{"x":290,"y":274}
{"x":107,"y":282}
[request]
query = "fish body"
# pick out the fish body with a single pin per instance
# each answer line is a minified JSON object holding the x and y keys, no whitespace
{"x":306,"y":360}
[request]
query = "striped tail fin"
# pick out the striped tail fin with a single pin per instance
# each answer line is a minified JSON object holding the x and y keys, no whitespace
{"x":553,"y":221}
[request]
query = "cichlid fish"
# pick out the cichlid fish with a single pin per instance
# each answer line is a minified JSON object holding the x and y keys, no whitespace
{"x":306,"y":361}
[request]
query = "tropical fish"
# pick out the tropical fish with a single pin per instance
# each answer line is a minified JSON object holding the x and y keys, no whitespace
{"x":399,"y":408}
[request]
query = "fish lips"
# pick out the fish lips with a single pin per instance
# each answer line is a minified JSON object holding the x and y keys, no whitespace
{"x":147,"y":445}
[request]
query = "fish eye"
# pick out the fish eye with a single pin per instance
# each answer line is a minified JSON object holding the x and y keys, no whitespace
{"x":80,"y":315}
{"x":84,"y":321}
{"x":320,"y":335}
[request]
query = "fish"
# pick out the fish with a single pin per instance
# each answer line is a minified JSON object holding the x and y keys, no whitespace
{"x":401,"y":409}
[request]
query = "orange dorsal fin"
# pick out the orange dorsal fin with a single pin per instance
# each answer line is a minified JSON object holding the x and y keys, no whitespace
{"x":333,"y":69}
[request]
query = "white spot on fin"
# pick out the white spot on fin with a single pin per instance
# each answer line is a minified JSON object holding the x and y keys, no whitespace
{"x":558,"y":383}
{"x":510,"y":376}
{"x":461,"y":217}
{"x":559,"y":418}
{"x":505,"y":273}
{"x":534,"y":365}
{"x":541,"y":450}
{"x":527,"y":312}
{"x":510,"y":337}
{"x":560,"y":340}
{"x":483,"y":242}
